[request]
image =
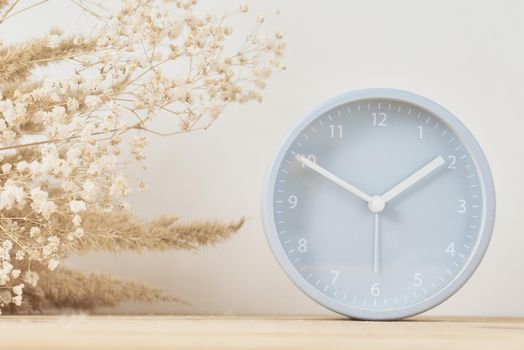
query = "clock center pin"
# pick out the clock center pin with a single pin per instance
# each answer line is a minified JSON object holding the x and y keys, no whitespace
{"x":376,"y":204}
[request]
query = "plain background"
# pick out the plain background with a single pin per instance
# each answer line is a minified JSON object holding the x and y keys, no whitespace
{"x":466,"y":55}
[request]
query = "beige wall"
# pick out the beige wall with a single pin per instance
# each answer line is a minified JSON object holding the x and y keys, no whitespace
{"x":467,"y":55}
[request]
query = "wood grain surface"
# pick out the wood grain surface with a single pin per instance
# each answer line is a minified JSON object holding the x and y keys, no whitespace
{"x":180,"y":332}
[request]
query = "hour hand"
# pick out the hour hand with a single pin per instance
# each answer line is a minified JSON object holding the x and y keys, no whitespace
{"x":413,"y":179}
{"x":332,"y":177}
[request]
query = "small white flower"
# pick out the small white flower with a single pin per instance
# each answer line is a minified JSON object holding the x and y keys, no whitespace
{"x":18,"y":290}
{"x":6,"y":167}
{"x":261,"y":18}
{"x":22,"y":166}
{"x":20,"y":254}
{"x":92,"y":101}
{"x":72,"y":104}
{"x":89,"y":191}
{"x":10,"y":196}
{"x":78,"y":233}
{"x":52,"y":264}
{"x":17,"y":300}
{"x":34,"y":231}
{"x":77,"y":206}
{"x":77,"y":220}
{"x":119,"y":186}
{"x":40,"y":203}
{"x":5,"y":250}
{"x":31,"y":278}
{"x":142,"y":186}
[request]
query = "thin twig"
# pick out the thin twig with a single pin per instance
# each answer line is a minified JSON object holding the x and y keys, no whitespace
{"x":24,"y":9}
{"x":6,"y":13}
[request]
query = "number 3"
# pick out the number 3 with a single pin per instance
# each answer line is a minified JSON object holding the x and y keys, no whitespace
{"x":462,"y":206}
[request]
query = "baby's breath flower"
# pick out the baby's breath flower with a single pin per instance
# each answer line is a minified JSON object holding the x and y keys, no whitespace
{"x":20,"y":255}
{"x":6,"y":167}
{"x":77,"y":206}
{"x":65,"y":135}
{"x":31,"y":278}
{"x":92,"y":101}
{"x":11,"y":195}
{"x":52,"y":264}
{"x":34,"y":231}
{"x":72,"y":104}
{"x":41,"y":204}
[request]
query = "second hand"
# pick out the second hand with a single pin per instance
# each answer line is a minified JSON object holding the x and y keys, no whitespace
{"x":376,"y":244}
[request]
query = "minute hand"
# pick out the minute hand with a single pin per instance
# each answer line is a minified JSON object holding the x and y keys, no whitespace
{"x":332,"y":177}
{"x":414,"y":178}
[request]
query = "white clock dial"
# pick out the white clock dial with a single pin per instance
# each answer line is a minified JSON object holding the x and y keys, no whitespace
{"x":379,"y":204}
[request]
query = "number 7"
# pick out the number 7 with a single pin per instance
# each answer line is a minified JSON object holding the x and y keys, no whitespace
{"x":335,"y":276}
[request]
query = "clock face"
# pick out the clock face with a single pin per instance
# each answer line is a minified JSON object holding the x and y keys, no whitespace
{"x":379,"y":204}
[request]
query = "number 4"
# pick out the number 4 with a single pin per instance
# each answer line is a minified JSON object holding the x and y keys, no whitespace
{"x":451,"y":249}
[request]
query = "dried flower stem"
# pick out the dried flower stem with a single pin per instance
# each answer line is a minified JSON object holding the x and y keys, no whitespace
{"x":62,"y":160}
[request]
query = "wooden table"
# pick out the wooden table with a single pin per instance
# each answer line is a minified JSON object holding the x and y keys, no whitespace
{"x":179,"y":332}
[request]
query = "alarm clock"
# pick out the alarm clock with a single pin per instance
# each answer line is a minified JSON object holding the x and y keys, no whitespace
{"x":379,"y":204}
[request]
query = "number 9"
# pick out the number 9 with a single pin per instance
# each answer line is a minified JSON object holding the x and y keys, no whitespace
{"x":293,"y":201}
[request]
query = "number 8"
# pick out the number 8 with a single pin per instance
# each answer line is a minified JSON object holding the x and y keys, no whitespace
{"x":302,"y":245}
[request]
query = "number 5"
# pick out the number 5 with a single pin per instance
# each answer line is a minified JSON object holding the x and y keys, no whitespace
{"x":418,"y":280}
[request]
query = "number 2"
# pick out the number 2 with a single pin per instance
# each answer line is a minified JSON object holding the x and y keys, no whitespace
{"x":452,"y":161}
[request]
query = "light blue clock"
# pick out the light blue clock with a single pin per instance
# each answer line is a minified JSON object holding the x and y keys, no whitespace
{"x":379,"y":204}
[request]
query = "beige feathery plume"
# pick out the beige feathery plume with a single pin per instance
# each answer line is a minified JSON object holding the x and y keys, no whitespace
{"x":67,"y":289}
{"x":63,"y":152}
{"x":116,"y":231}
{"x":17,"y":61}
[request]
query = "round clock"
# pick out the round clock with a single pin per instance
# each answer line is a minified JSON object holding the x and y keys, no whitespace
{"x":379,"y":204}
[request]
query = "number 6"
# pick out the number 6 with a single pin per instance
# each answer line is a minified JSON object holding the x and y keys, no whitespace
{"x":375,"y":290}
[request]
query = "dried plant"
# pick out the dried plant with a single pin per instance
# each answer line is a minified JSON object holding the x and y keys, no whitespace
{"x":62,"y":178}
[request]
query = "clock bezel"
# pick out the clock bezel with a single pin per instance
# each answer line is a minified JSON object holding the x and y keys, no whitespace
{"x":485,"y":231}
